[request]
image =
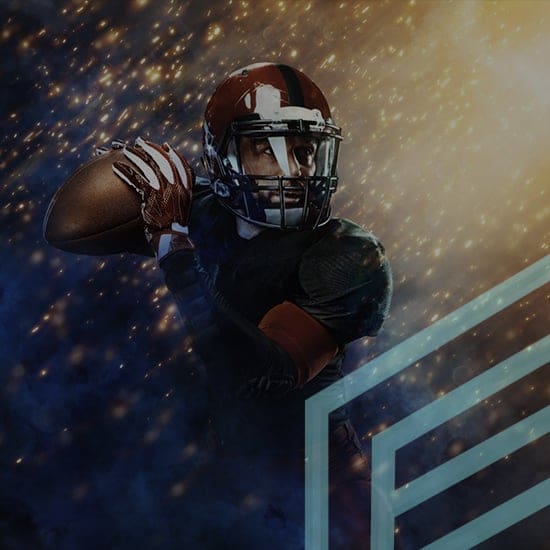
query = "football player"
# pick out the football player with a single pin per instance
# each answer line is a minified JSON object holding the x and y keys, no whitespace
{"x":271,"y":287}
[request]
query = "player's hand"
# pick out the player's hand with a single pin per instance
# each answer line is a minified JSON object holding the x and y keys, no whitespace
{"x":115,"y":144}
{"x":274,"y":382}
{"x":164,"y":180}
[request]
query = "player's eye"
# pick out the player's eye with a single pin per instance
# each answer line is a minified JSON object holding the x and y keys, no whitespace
{"x":266,"y":150}
{"x":304,"y":154}
{"x":262,"y":147}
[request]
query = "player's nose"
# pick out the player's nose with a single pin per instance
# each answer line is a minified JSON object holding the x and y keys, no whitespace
{"x":293,"y":164}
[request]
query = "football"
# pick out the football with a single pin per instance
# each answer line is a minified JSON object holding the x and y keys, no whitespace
{"x":95,"y":212}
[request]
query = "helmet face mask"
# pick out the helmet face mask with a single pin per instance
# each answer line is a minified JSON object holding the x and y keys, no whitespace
{"x":275,"y":166}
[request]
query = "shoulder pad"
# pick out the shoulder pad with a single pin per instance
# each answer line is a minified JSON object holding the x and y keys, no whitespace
{"x":346,"y":281}
{"x":343,"y":258}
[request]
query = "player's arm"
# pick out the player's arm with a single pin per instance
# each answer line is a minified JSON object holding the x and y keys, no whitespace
{"x":289,"y":346}
{"x":345,"y":291}
{"x":307,"y":342}
{"x":165,"y":181}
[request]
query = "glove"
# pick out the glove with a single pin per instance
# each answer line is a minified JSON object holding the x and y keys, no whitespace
{"x":279,"y":377}
{"x":164,"y":180}
{"x":271,"y":384}
{"x":115,"y":144}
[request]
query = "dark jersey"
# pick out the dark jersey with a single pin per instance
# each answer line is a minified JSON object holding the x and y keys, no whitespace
{"x":337,"y":273}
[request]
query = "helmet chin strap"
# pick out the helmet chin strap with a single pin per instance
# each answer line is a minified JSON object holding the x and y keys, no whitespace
{"x":248,"y":230}
{"x":293,"y":216}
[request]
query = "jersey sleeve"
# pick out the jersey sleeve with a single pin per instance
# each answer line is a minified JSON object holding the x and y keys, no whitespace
{"x":346,"y":283}
{"x":221,"y":335}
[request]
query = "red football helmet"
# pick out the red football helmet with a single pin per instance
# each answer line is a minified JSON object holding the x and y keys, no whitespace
{"x":270,"y":147}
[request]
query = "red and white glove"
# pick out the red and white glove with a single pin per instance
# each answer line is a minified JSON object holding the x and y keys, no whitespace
{"x":165,"y":181}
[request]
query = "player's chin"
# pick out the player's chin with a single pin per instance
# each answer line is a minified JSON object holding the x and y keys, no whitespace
{"x":293,"y":199}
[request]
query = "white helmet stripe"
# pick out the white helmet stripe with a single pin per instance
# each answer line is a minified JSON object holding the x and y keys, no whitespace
{"x":278,"y":146}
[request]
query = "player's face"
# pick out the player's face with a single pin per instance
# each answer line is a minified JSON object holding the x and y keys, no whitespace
{"x":259,"y":157}
{"x":279,"y":156}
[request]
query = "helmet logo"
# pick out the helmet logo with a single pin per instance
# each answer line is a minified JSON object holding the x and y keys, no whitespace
{"x":265,"y":101}
{"x":268,"y":101}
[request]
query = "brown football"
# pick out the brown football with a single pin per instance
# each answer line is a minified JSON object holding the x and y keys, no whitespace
{"x":95,"y":212}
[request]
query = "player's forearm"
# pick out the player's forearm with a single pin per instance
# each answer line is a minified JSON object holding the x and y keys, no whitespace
{"x":189,"y":289}
{"x":203,"y":309}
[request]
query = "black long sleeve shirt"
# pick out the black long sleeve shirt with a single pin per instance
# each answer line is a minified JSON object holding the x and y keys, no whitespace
{"x":337,"y":273}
